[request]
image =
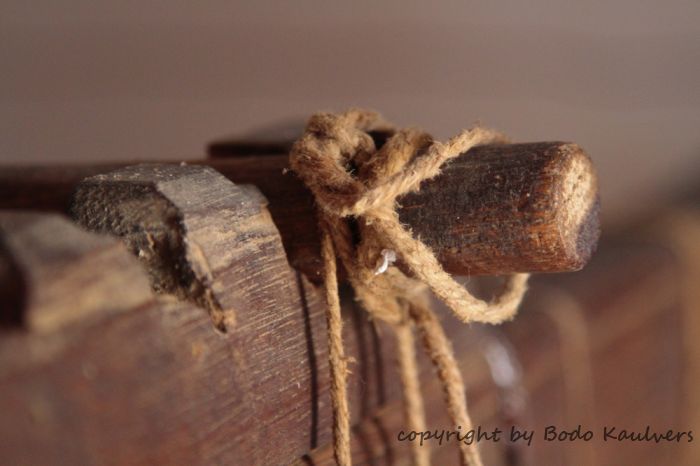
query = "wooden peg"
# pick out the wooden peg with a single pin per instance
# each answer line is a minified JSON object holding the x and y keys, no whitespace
{"x":494,"y":210}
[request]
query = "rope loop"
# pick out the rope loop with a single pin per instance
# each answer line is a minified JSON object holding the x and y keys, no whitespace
{"x":351,"y":178}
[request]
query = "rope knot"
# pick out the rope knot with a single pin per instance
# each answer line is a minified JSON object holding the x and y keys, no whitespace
{"x":339,"y":161}
{"x":357,"y":165}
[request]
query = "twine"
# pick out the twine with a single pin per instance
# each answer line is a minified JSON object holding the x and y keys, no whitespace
{"x":352,"y":179}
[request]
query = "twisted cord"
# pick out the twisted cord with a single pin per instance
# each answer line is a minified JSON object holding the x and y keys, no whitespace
{"x":338,"y":161}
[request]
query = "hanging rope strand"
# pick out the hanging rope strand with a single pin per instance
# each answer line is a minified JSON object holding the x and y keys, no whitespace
{"x":413,"y":400}
{"x":441,"y":354}
{"x":336,"y":355}
{"x":338,"y":161}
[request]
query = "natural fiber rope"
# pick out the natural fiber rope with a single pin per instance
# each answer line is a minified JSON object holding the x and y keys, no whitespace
{"x":413,"y":401}
{"x":349,"y":177}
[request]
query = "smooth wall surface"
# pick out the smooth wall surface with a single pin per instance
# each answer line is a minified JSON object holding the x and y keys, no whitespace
{"x":93,"y":81}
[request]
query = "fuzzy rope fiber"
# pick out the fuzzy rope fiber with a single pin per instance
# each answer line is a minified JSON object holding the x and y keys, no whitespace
{"x":354,"y":181}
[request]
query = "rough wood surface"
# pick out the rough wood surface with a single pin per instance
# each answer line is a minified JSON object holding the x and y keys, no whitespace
{"x":51,"y":261}
{"x":490,"y":197}
{"x":187,"y":224}
{"x":154,"y":381}
{"x":157,"y":383}
{"x":495,"y":210}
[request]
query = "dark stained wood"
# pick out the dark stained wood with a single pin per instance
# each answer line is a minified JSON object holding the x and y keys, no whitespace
{"x":54,"y":265}
{"x":44,"y":188}
{"x":479,"y":214}
{"x":514,"y":208}
{"x":495,"y":210}
{"x":146,"y":378}
{"x":156,"y":383}
{"x":95,"y":368}
{"x":187,"y":224}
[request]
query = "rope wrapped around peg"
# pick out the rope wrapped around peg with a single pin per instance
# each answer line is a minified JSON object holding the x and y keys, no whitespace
{"x":354,"y":181}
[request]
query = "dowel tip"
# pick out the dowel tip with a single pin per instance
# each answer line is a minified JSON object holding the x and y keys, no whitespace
{"x":500,"y":209}
{"x":577,"y":204}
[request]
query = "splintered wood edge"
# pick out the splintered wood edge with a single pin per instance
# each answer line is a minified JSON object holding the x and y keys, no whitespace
{"x":188,"y":224}
{"x":578,"y":205}
{"x":134,"y":203}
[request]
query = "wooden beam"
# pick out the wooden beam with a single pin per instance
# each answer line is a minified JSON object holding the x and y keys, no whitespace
{"x":150,"y":381}
{"x":494,"y":210}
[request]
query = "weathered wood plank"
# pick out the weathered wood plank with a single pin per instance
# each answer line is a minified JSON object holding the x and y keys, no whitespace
{"x":158,"y":384}
{"x":188,"y":224}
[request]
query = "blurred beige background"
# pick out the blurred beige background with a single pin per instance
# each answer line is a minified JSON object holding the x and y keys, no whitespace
{"x":93,"y":81}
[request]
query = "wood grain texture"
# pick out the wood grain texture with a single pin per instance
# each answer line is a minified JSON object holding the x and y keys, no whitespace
{"x":51,"y":260}
{"x":158,"y":384}
{"x":155,"y":382}
{"x":188,"y":224}
{"x":494,"y":210}
{"x":511,"y":208}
